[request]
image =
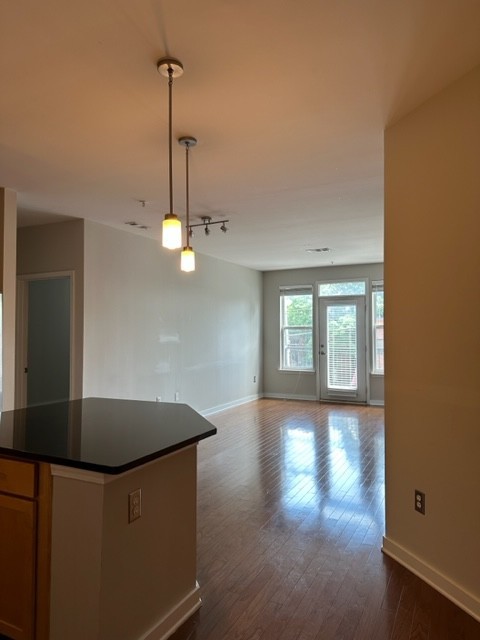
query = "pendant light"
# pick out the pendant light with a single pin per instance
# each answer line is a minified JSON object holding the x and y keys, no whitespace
{"x":171,"y":227}
{"x":187,"y":260}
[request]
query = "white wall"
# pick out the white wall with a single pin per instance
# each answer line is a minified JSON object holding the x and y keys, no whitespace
{"x":432,"y":275}
{"x":151,"y":330}
{"x":303,"y":384}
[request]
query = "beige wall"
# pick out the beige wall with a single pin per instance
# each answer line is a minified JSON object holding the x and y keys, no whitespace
{"x":8,"y":233}
{"x":151,"y":330}
{"x":432,"y":276}
{"x":53,"y":248}
{"x":303,"y":384}
{"x":113,"y":579}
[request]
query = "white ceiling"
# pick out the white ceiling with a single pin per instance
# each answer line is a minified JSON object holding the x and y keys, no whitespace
{"x":288,"y":100}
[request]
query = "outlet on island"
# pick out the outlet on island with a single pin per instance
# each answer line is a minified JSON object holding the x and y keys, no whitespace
{"x":134,"y":505}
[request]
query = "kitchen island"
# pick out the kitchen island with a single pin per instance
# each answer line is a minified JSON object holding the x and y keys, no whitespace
{"x":98,"y":519}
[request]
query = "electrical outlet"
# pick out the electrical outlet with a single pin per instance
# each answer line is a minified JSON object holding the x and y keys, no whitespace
{"x":134,"y":505}
{"x":158,"y":399}
{"x":419,"y":502}
{"x":177,"y":396}
{"x":254,"y":378}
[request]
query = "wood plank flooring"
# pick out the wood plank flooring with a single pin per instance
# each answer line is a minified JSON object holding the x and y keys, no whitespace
{"x":290,"y":525}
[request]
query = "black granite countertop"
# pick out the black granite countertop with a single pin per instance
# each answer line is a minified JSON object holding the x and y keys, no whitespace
{"x":101,"y":434}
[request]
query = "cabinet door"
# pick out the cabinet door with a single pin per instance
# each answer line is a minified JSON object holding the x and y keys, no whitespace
{"x":17,"y":562}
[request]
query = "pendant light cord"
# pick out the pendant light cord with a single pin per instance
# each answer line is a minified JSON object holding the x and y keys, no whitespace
{"x":170,"y":150}
{"x":187,"y":194}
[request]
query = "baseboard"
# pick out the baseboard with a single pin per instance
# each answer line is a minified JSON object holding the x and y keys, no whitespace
{"x":230,"y":405}
{"x":176,"y":617}
{"x":274,"y":396}
{"x":451,"y":590}
{"x":288,"y":396}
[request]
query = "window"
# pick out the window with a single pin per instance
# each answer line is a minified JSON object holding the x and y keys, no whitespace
{"x":296,"y":329}
{"x":346,"y":288}
{"x":377,"y":327}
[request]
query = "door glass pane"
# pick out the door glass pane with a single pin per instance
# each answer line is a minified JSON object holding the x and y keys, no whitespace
{"x":342,"y":347}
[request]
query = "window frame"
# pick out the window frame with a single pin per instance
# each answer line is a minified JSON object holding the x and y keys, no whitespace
{"x":377,"y":286}
{"x":362,"y":281}
{"x":283,"y":292}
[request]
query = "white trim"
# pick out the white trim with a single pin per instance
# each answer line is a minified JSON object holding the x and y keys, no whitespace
{"x":444,"y":585}
{"x":165,"y":627}
{"x":363,"y":279}
{"x":21,"y":343}
{"x":363,"y":390}
{"x":230,"y":405}
{"x":374,"y":289}
{"x":295,"y":290}
{"x":296,"y":371}
{"x":377,"y":403}
{"x":289,"y":396}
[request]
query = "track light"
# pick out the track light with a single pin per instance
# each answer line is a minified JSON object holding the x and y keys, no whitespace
{"x":206,"y":223}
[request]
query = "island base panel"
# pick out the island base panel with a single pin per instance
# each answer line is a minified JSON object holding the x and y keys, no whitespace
{"x":114,"y":579}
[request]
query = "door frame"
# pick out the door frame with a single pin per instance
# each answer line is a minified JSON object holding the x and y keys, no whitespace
{"x":366,"y":343}
{"x":21,"y":342}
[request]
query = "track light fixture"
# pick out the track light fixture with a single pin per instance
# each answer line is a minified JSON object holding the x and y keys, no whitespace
{"x":187,"y":259}
{"x":171,"y":229}
{"x":206,"y":223}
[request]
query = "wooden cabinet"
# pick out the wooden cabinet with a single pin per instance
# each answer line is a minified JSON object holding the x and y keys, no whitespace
{"x":17,"y":560}
{"x":24,"y":542}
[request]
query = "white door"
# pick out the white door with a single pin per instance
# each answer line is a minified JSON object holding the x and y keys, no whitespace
{"x":342,"y":352}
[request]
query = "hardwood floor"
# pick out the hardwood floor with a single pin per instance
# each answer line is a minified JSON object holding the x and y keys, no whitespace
{"x":290,"y":525}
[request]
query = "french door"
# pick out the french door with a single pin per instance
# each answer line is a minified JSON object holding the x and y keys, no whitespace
{"x":342,"y":352}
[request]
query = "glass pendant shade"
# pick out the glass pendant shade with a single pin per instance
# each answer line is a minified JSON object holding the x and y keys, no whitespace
{"x":187,"y":259}
{"x":171,"y":232}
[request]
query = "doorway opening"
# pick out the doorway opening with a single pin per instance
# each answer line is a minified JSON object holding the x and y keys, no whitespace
{"x":44,"y":362}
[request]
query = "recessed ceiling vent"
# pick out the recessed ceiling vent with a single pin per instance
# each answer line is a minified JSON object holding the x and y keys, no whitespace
{"x":320,"y":250}
{"x":138,"y":225}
